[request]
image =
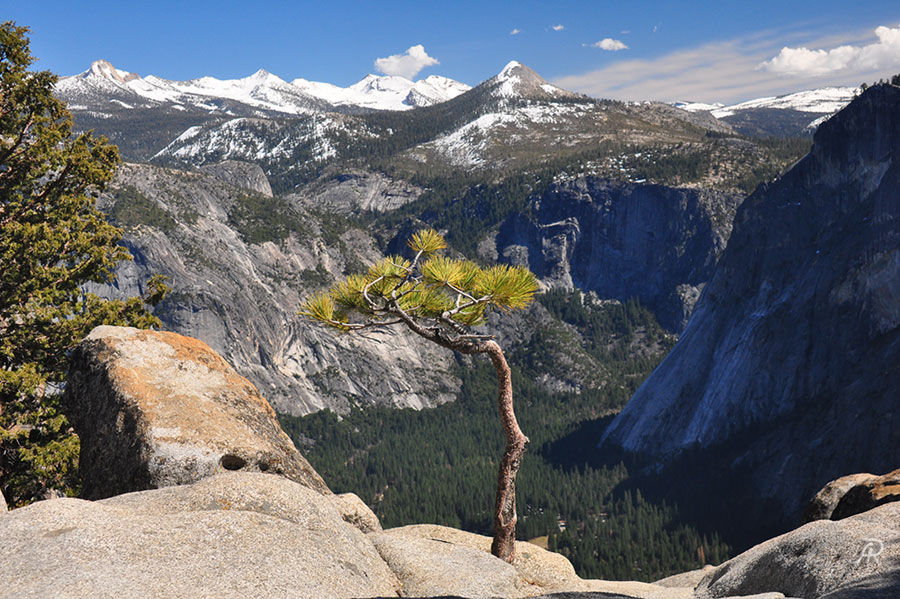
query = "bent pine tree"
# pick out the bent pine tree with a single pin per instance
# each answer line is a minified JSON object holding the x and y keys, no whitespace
{"x":441,"y":299}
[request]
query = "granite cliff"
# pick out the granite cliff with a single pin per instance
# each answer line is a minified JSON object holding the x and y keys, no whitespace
{"x":239,"y":262}
{"x":787,"y":374}
{"x":623,"y":240}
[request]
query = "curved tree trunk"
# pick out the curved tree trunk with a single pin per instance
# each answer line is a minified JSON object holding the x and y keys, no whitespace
{"x":504,"y":544}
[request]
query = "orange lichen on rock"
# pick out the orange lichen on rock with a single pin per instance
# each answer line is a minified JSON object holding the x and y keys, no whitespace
{"x":155,"y":409}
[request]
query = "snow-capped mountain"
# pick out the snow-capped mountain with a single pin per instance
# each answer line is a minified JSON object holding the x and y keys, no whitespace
{"x":386,"y":92}
{"x":805,"y":110}
{"x":300,"y":131}
{"x":518,"y":81}
{"x":513,"y":106}
{"x":826,"y":100}
{"x":103,"y":86}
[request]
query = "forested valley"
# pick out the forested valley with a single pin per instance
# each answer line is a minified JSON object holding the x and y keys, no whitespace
{"x":439,"y":465}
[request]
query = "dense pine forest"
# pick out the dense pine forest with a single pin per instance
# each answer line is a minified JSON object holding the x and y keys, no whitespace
{"x":439,"y":465}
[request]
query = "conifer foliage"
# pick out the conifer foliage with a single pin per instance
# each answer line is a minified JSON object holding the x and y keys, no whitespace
{"x":440,"y":299}
{"x":52,"y":241}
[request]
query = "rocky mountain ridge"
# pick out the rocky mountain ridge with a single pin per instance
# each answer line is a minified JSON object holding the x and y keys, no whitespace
{"x":103,"y":84}
{"x":798,"y":113}
{"x":797,"y":334}
{"x":299,"y":133}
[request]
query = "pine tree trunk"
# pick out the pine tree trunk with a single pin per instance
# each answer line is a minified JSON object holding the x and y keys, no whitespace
{"x":504,"y":544}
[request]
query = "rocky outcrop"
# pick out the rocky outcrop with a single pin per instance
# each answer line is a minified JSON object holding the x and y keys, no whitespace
{"x":868,"y":494}
{"x":244,"y":175}
{"x":817,"y":560}
{"x":239,"y":269}
{"x":822,"y":505}
{"x":235,"y":535}
{"x":353,"y":192}
{"x":428,"y":568}
{"x":156,"y":409}
{"x":354,"y":511}
{"x":251,"y":535}
{"x":3,"y":507}
{"x":787,"y":373}
{"x":685,"y":579}
{"x":655,"y":243}
{"x":433,"y":560}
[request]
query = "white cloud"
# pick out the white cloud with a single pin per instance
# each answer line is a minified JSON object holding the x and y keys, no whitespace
{"x":882,"y":54}
{"x":625,"y":31}
{"x":515,"y":32}
{"x":725,"y":71}
{"x":558,"y":27}
{"x":610,"y":44}
{"x":407,"y":64}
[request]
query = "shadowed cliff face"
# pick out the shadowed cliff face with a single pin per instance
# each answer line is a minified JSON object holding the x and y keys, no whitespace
{"x":789,"y":368}
{"x":655,"y":243}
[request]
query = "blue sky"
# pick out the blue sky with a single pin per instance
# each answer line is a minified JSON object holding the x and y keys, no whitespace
{"x":625,"y":49}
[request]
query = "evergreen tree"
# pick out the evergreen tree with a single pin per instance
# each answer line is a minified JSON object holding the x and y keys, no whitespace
{"x":52,"y":241}
{"x":440,"y":299}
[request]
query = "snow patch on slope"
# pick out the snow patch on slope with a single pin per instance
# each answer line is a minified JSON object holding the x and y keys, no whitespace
{"x":250,"y":139}
{"x":698,"y":106}
{"x":823,"y":100}
{"x":466,"y":145}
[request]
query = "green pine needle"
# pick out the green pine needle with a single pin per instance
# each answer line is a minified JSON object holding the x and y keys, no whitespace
{"x":427,"y":241}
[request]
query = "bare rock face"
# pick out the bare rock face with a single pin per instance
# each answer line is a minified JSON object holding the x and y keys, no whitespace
{"x":239,"y":267}
{"x":358,"y":191}
{"x":3,"y":507}
{"x":868,"y":494}
{"x":787,"y":374}
{"x":822,"y":505}
{"x":245,"y":175}
{"x":354,"y":511}
{"x":686,"y":579}
{"x":655,"y":243}
{"x":156,"y":409}
{"x":431,"y":560}
{"x":818,"y":559}
{"x":235,"y":535}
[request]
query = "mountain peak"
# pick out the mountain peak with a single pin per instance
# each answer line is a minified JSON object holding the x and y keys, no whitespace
{"x":105,"y":70}
{"x":384,"y":84}
{"x":263,"y":77}
{"x":515,"y":69}
{"x":518,"y":81}
{"x":511,"y":66}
